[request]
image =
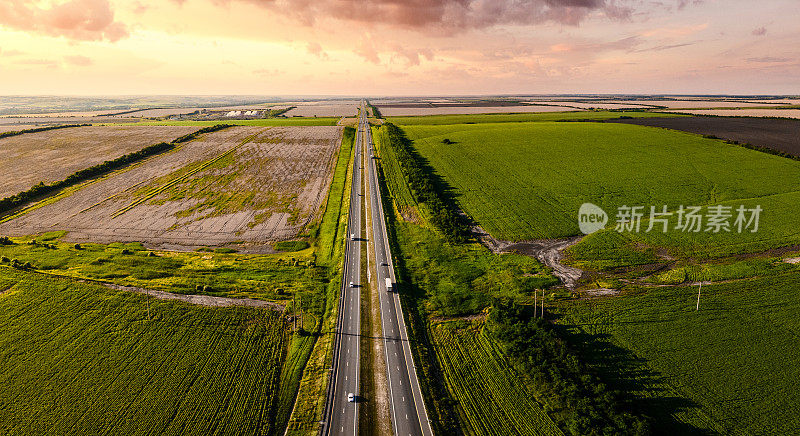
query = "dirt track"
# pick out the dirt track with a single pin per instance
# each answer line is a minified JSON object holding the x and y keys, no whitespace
{"x":201,"y":300}
{"x":767,"y":132}
{"x":244,"y":184}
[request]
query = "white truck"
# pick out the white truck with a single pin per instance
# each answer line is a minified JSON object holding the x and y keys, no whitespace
{"x":388,"y":285}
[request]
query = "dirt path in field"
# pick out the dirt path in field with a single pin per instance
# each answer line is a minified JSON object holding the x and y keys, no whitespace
{"x":547,"y":251}
{"x":201,"y":300}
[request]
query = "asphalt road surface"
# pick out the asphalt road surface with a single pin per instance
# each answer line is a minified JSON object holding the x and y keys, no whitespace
{"x":409,"y":416}
{"x":341,"y":415}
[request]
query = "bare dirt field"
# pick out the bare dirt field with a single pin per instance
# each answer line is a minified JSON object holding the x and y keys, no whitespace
{"x":597,"y":105}
{"x":767,"y":132}
{"x":694,"y":104}
{"x":342,"y":108}
{"x":781,"y":113}
{"x":244,"y":185}
{"x":13,"y":127}
{"x":52,"y":155}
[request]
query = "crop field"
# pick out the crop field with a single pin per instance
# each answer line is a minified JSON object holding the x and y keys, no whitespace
{"x":779,"y":113}
{"x":324,"y":109}
{"x":772,"y":133}
{"x":490,"y":393}
{"x":518,"y":118}
{"x":80,"y":358}
{"x":246,"y":185}
{"x":52,"y":155}
{"x":527,"y":181}
{"x":732,"y":367}
{"x":456,"y":110}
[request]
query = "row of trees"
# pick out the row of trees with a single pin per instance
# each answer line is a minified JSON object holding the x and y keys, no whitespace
{"x":39,"y":129}
{"x":583,"y":405}
{"x":444,"y":215}
{"x":43,"y":189}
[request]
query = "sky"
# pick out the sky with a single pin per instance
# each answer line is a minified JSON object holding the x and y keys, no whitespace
{"x":399,"y":47}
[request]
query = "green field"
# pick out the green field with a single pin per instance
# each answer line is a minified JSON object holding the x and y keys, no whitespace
{"x":733,"y":367}
{"x":528,"y":180}
{"x":478,"y":375}
{"x":83,"y":359}
{"x":265,"y":122}
{"x":521,"y":117}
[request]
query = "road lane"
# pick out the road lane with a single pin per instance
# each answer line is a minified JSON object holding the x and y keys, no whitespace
{"x":409,"y":416}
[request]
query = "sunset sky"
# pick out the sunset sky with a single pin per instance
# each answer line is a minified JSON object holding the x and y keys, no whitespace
{"x":396,"y":47}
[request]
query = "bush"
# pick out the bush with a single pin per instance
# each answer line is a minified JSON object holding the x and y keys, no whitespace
{"x":125,"y":251}
{"x":77,"y":247}
{"x":447,"y":141}
{"x":5,"y":259}
{"x":6,"y":241}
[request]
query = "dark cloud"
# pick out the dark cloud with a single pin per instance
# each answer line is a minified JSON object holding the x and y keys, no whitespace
{"x":87,"y":20}
{"x":761,"y":31}
{"x":449,"y":16}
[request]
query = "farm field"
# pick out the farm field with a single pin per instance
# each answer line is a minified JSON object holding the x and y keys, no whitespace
{"x":479,"y":109}
{"x":780,"y":113}
{"x":490,"y":394}
{"x":526,"y":181}
{"x":772,"y":133}
{"x":82,"y":358}
{"x":700,"y":103}
{"x":268,"y":122}
{"x":730,"y":368}
{"x":517,"y":118}
{"x":249,"y":186}
{"x":324,"y":109}
{"x":52,"y":155}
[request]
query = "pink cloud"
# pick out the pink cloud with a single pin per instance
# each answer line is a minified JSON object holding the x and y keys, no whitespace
{"x":85,"y":20}
{"x":79,"y":61}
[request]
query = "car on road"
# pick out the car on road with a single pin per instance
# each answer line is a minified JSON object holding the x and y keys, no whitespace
{"x":352,"y":236}
{"x":384,"y":264}
{"x":352,"y":285}
{"x":351,"y":397}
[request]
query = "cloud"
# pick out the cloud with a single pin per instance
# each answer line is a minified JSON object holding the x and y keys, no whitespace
{"x":315,"y":49}
{"x":10,"y":53}
{"x":80,"y":61}
{"x":768,"y":59}
{"x":84,"y":20}
{"x":761,"y":31}
{"x":449,"y":16}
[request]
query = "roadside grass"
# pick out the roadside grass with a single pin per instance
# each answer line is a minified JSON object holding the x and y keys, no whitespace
{"x":274,"y":277}
{"x":81,"y":358}
{"x":266,"y":122}
{"x":328,"y":243}
{"x":527,"y":180}
{"x":730,"y":368}
{"x":398,"y":190}
{"x":522,"y":117}
{"x":478,"y":375}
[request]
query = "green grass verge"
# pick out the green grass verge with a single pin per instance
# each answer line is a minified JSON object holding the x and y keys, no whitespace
{"x":267,"y":122}
{"x":528,"y":180}
{"x":80,"y":358}
{"x":521,"y":117}
{"x":730,"y":368}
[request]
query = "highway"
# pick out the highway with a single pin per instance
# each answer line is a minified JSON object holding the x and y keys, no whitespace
{"x":341,"y":416}
{"x":409,"y":416}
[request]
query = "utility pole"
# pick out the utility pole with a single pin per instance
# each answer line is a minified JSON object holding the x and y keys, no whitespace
{"x":698,"y":296}
{"x":535,"y":303}
{"x":542,"y":303}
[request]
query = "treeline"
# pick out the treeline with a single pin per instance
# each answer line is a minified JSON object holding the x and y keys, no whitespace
{"x":375,"y":112}
{"x":193,"y":135}
{"x":273,"y":113}
{"x":444,"y":215}
{"x":42,"y":189}
{"x":579,"y":402}
{"x":39,"y":129}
